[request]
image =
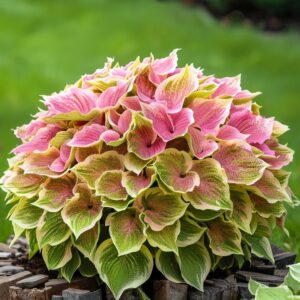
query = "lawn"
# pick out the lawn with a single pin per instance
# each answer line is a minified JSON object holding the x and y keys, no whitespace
{"x":46,"y":44}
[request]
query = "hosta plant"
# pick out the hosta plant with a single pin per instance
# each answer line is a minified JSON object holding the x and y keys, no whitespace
{"x":148,"y":164}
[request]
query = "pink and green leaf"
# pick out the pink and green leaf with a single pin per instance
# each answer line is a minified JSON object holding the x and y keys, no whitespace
{"x":83,"y":211}
{"x":213,"y":191}
{"x":174,"y":169}
{"x":127,"y":231}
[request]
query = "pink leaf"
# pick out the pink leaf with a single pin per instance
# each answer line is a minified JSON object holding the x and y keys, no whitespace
{"x":112,"y":96}
{"x":174,"y":89}
{"x":40,"y":142}
{"x":210,"y":114}
{"x":200,"y":145}
{"x":87,"y":136}
{"x":258,"y":127}
{"x":168,"y":126}
{"x":228,"y":132}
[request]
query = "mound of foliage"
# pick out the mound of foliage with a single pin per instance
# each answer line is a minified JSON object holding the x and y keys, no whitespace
{"x":148,"y":163}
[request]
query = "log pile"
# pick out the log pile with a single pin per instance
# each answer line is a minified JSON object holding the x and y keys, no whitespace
{"x":23,"y":279}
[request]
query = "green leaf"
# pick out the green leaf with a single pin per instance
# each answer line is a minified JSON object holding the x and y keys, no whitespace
{"x":26,"y":185}
{"x":273,"y":293}
{"x":269,"y":188}
{"x":241,"y":214}
{"x":56,"y":257}
{"x":52,"y":230}
{"x":122,"y":272}
{"x":135,"y":164}
{"x":117,"y":205}
{"x":55,"y":193}
{"x":95,"y":165}
{"x":69,"y":269}
{"x":167,"y":264}
{"x":190,"y":232}
{"x":136,"y":184}
{"x":32,"y":242}
{"x":266,"y":209}
{"x":203,"y":215}
{"x":159,"y":209}
{"x":254,"y":285}
{"x":87,"y":268}
{"x":126,"y":231}
{"x":25,"y":214}
{"x":164,"y":239}
{"x":18,"y":231}
{"x":292,"y":280}
{"x":83,"y":211}
{"x":194,"y":263}
{"x":260,"y":246}
{"x":109,"y":184}
{"x":87,"y":242}
{"x":224,"y":237}
{"x":213,"y":191}
{"x":174,"y":168}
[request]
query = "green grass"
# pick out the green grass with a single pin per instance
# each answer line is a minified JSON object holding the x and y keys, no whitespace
{"x":46,"y":44}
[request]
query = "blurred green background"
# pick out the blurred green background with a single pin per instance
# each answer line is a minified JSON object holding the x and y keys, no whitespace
{"x":46,"y":44}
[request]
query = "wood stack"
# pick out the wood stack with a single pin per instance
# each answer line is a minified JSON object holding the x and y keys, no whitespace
{"x":21,"y":279}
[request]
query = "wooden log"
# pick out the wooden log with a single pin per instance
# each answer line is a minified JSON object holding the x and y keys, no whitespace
{"x":76,"y":294}
{"x":130,"y":294}
{"x":57,"y":286}
{"x":6,"y":248}
{"x":7,"y":281}
{"x":210,"y":293}
{"x":167,"y":290}
{"x":17,"y":293}
{"x":32,"y":281}
{"x":246,"y":275}
{"x":6,"y":255}
{"x":10,"y":270}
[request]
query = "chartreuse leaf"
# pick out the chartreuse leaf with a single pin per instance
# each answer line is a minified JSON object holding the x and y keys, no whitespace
{"x":194,"y":263}
{"x":241,"y":165}
{"x":164,"y":239}
{"x":203,"y":215}
{"x":56,"y":257}
{"x":69,"y":269}
{"x":83,"y":211}
{"x":87,"y":268}
{"x":25,"y":214}
{"x":274,"y":293}
{"x":269,"y":188}
{"x":87,"y":241}
{"x":167,"y":264}
{"x":213,"y":191}
{"x":122,"y":272}
{"x":224,"y":237}
{"x":174,"y":168}
{"x":254,"y":285}
{"x":95,"y":165}
{"x":32,"y":242}
{"x":18,"y":230}
{"x":60,"y":138}
{"x":55,"y":193}
{"x":242,"y":209}
{"x":135,"y":164}
{"x":136,"y":184}
{"x":126,"y":231}
{"x":110,"y":185}
{"x":117,"y":205}
{"x":190,"y":232}
{"x":52,"y":230}
{"x":266,"y":209}
{"x":159,"y":209}
{"x":260,"y":246}
{"x":26,"y":185}
{"x":292,"y":280}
